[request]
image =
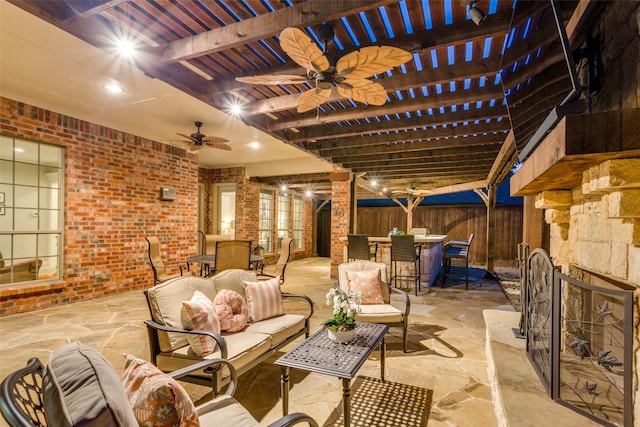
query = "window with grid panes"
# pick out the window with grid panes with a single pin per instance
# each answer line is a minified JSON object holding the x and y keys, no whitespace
{"x":283,"y":217}
{"x":298,"y":222}
{"x":265,"y":227}
{"x":31,"y":210}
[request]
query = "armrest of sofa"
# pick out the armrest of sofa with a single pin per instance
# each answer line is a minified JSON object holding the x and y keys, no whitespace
{"x":207,"y":365}
{"x":153,"y":326}
{"x":405,"y":299}
{"x":304,"y":298}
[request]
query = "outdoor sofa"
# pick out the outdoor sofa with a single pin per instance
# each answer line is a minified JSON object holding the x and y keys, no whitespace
{"x":170,"y":350}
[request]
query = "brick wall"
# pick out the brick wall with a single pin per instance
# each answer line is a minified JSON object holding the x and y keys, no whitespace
{"x":340,"y":216}
{"x":112,"y":189}
{"x":248,"y":208}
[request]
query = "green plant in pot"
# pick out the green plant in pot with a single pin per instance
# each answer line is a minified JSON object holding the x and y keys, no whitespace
{"x":341,"y":326}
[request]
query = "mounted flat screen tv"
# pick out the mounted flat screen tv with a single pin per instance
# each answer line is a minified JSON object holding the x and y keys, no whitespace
{"x":538,"y":75}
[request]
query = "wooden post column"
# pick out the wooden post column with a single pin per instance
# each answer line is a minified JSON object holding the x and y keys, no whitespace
{"x":489,"y":199}
{"x":340,"y":215}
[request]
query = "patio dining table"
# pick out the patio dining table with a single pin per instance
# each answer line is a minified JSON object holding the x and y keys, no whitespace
{"x":209,"y":261}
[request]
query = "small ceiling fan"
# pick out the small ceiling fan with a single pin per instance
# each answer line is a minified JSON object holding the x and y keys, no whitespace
{"x":349,"y":75}
{"x":196,"y":141}
{"x":411,"y":191}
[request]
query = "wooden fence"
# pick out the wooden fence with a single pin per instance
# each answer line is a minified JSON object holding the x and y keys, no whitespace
{"x":457,"y":222}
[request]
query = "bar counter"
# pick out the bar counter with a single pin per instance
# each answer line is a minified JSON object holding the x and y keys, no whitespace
{"x":430,"y":258}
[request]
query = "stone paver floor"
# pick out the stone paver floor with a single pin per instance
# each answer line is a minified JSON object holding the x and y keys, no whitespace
{"x":446,"y":350}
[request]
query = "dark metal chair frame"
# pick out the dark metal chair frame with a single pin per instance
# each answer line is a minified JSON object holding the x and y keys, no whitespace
{"x":358,"y":247}
{"x":456,"y":260}
{"x":404,"y":249}
{"x":22,"y":397}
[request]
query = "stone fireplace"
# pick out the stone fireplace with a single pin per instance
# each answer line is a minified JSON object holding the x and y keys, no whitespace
{"x":595,"y":237}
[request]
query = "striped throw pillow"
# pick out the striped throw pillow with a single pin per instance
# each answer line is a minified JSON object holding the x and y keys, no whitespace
{"x":264,"y":299}
{"x":200,"y":314}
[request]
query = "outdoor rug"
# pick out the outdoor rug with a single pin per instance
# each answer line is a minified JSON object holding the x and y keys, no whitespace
{"x":385,"y":404}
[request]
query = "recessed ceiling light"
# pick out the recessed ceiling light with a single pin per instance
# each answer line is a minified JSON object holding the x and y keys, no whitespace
{"x":125,"y":48}
{"x":113,"y":88}
{"x":235,"y":109}
{"x":255,"y":145}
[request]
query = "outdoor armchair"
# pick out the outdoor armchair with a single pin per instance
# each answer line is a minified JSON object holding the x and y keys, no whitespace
{"x":391,"y":312}
{"x":80,"y":388}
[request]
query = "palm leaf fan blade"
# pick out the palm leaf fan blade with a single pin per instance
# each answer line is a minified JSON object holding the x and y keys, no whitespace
{"x":371,"y":60}
{"x":186,"y":136}
{"x":219,"y":146}
{"x":363,"y":90}
{"x":312,"y":99}
{"x":273,"y":79}
{"x":303,"y":50}
{"x":213,"y":139}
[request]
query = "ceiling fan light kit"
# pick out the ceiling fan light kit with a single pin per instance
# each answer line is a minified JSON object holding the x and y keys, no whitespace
{"x":349,"y":75}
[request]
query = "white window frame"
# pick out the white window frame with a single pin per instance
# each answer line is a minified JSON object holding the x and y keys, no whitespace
{"x":31,"y":227}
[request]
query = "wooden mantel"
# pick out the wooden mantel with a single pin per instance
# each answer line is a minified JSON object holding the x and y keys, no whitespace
{"x":577,"y":143}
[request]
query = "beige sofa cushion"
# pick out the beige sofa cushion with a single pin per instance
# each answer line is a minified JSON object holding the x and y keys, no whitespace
{"x":379,"y":313}
{"x":165,"y":301}
{"x":225,"y":411}
{"x":243,"y":348}
{"x":363,"y":265}
{"x":232,"y":279}
{"x":279,"y":328}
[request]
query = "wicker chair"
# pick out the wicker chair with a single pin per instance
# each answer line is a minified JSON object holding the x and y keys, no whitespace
{"x":403,"y":249}
{"x":358,"y":247}
{"x":456,"y":260}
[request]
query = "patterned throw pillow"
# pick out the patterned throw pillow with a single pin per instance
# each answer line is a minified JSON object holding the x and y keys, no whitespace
{"x":367,"y":283}
{"x":232,"y":310}
{"x":264,"y":299}
{"x":200,"y":314}
{"x":157,"y":399}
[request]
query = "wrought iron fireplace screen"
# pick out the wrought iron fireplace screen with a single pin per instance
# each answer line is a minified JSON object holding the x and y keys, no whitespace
{"x":579,"y":340}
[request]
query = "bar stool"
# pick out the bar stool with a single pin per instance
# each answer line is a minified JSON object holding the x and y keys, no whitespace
{"x":403,"y":249}
{"x":358,"y":247}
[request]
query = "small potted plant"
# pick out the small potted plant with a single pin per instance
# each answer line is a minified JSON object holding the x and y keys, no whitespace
{"x":341,"y":327}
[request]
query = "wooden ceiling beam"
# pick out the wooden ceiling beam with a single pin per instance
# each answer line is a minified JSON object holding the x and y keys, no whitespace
{"x":301,"y":178}
{"x":401,"y":107}
{"x":349,"y":162}
{"x":312,"y":12}
{"x":415,"y":122}
{"x":416,"y":79}
{"x":460,"y":136}
{"x":416,"y":42}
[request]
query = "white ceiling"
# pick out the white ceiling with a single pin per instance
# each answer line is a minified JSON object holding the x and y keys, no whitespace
{"x":44,"y":66}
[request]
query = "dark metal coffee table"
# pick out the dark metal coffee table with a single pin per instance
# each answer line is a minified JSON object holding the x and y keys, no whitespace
{"x":319,"y":354}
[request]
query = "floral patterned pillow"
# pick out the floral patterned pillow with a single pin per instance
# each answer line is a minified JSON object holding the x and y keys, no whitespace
{"x":157,"y":399}
{"x":200,"y":314}
{"x":367,"y":284}
{"x":232,"y":310}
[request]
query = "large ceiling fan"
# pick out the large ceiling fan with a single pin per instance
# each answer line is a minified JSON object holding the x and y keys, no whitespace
{"x":349,"y":75}
{"x":196,"y":141}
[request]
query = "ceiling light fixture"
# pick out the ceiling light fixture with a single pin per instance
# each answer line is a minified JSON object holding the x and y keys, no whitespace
{"x":477,"y":15}
{"x":125,"y":48}
{"x":113,"y":88}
